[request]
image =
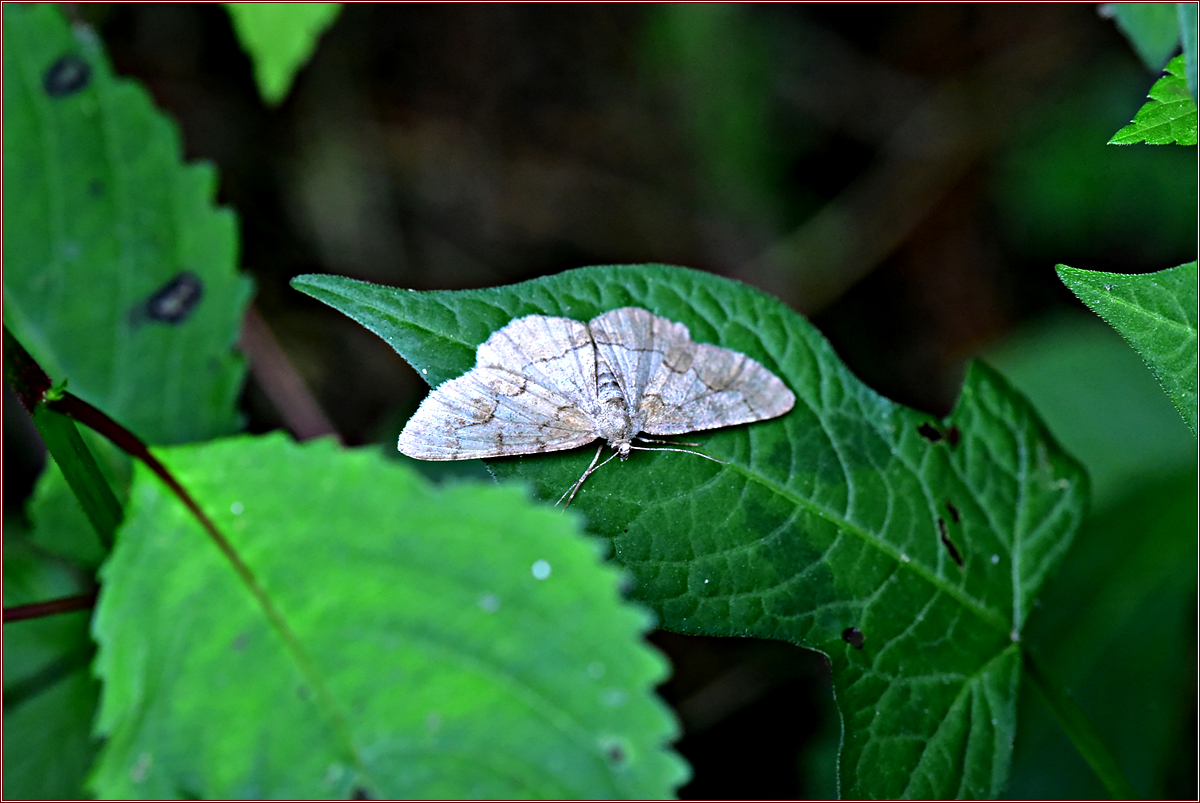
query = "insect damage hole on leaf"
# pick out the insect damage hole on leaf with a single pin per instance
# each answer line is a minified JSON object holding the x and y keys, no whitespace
{"x":66,"y":76}
{"x":546,"y":384}
{"x":950,"y":547}
{"x":173,"y":303}
{"x":929,"y":432}
{"x":954,"y":514}
{"x":953,"y":435}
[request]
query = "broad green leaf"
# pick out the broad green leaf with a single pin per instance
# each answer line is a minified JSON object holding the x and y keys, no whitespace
{"x":847,"y":512}
{"x":119,"y":271}
{"x":279,"y":38}
{"x":1152,"y":29}
{"x":387,"y":639}
{"x":49,"y":694}
{"x":1170,"y":115}
{"x":1156,"y":314}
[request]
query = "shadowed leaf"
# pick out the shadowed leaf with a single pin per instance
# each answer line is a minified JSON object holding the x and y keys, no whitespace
{"x":819,"y":521}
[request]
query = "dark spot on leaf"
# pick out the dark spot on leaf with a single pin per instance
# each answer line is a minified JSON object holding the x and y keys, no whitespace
{"x":953,"y":435}
{"x":67,"y":75}
{"x":953,"y":511}
{"x":615,"y":754}
{"x":950,"y":547}
{"x":95,"y":188}
{"x":854,"y":637}
{"x":360,"y":794}
{"x":176,"y":300}
{"x":929,"y":432}
{"x":239,"y":642}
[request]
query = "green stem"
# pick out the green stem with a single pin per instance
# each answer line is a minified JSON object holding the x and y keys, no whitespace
{"x":1079,"y":730}
{"x":81,"y":471}
{"x":63,"y":441}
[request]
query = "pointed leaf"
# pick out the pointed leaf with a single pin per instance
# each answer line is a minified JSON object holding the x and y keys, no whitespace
{"x":280,"y":38}
{"x":1156,"y":314}
{"x":1170,"y":115}
{"x":119,"y":272}
{"x":849,"y":512}
{"x":373,"y":646}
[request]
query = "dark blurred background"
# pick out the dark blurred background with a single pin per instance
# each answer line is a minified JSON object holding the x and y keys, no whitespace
{"x":905,"y":175}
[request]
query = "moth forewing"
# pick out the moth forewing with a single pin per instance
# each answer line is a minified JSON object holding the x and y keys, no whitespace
{"x":544,"y":384}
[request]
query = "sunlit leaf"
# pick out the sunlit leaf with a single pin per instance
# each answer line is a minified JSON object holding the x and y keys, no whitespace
{"x":387,"y":639}
{"x":280,"y":38}
{"x":1170,"y":115}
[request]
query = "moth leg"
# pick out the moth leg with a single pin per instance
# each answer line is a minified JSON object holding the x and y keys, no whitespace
{"x":570,"y":493}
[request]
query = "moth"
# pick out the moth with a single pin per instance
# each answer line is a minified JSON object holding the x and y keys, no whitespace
{"x":545,"y":384}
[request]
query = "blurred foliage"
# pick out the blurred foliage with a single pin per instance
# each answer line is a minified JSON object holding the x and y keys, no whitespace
{"x":1187,"y":26}
{"x":1062,"y":194}
{"x":1152,"y":29}
{"x":1117,"y":624}
{"x":716,"y":62}
{"x":909,"y":172}
{"x":122,"y":207}
{"x":280,"y":39}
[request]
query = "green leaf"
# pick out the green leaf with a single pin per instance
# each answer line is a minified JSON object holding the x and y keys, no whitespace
{"x":1117,"y":625}
{"x":375,"y":645}
{"x":60,"y":526}
{"x":1081,"y":377}
{"x":1187,"y":27}
{"x":826,"y":519}
{"x":1113,"y":625}
{"x":280,"y":38}
{"x":1156,"y":314}
{"x":1170,"y":115}
{"x":49,"y":694}
{"x":1152,"y":29}
{"x":81,"y":472}
{"x":119,"y":273}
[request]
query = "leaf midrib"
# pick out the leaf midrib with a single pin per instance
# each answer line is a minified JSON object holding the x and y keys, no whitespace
{"x":938,"y":583}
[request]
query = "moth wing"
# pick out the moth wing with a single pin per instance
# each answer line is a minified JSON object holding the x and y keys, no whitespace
{"x":533,"y":389}
{"x":679,"y":385}
{"x":719,"y":387}
{"x":633,"y":343}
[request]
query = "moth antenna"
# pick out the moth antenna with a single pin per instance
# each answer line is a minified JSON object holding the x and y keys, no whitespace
{"x":660,"y":440}
{"x":666,"y":449}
